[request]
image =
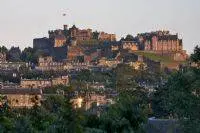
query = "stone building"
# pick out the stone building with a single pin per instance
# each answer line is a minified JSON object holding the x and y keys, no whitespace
{"x":95,"y":99}
{"x":12,"y":65}
{"x":42,"y":43}
{"x":107,"y":37}
{"x":160,"y":41}
{"x":47,"y":63}
{"x":44,"y":83}
{"x":59,"y":41}
{"x":22,"y":98}
{"x":58,"y":37}
{"x":138,"y":65}
{"x":63,"y":80}
{"x":88,"y":101}
{"x":112,"y":63}
{"x":35,"y":83}
{"x":130,"y":45}
{"x":80,"y":35}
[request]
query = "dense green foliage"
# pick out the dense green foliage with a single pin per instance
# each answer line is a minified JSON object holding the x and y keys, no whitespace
{"x":128,"y":38}
{"x":3,"y":49}
{"x":57,"y":115}
{"x":179,"y":97}
{"x":195,"y":57}
{"x":29,"y":55}
{"x":14,"y":54}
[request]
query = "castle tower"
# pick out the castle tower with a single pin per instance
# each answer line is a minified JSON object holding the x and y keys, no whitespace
{"x":65,"y":27}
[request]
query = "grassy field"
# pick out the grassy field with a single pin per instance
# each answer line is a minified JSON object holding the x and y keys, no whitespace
{"x":166,"y":60}
{"x":154,"y":56}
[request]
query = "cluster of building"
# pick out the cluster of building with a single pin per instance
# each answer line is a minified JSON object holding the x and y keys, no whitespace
{"x":160,"y":41}
{"x":65,"y":36}
{"x":20,"y":97}
{"x":30,"y":91}
{"x":74,"y":49}
{"x":78,"y":45}
{"x":5,"y":65}
{"x":163,"y":43}
{"x":91,"y":99}
{"x":44,"y":83}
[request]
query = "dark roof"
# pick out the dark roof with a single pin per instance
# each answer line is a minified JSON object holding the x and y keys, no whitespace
{"x":168,"y":37}
{"x":162,"y":126}
{"x":6,"y":91}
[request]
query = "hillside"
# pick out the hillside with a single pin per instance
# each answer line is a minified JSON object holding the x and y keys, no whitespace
{"x":165,"y":60}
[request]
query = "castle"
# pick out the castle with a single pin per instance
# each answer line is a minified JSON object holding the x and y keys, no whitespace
{"x":84,"y":45}
{"x":159,"y":41}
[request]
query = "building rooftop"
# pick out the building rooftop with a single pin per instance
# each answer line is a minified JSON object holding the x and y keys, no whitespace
{"x":7,"y":91}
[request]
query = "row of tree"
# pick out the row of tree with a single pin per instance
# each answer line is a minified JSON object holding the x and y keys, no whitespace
{"x":56,"y":115}
{"x":14,"y":54}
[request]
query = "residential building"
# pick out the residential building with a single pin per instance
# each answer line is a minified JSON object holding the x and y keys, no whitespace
{"x":95,"y":99}
{"x":88,"y":101}
{"x":47,"y":63}
{"x":35,"y":83}
{"x":130,"y":45}
{"x":138,"y":65}
{"x":109,"y":62}
{"x":163,"y":126}
{"x":63,"y":80}
{"x":44,"y":83}
{"x":12,"y":65}
{"x":22,"y":98}
{"x":77,"y":102}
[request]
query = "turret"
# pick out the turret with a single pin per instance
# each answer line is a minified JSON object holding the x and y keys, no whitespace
{"x":65,"y":27}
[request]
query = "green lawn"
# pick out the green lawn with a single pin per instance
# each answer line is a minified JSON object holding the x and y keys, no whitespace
{"x":166,"y":60}
{"x":154,"y":56}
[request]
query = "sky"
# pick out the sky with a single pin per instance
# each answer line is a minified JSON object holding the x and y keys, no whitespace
{"x":23,"y":20}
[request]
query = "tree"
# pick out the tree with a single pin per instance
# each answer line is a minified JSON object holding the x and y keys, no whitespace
{"x":6,"y":122}
{"x":195,"y":57}
{"x":129,"y":38}
{"x":14,"y":54}
{"x":29,"y":55}
{"x":95,"y":35}
{"x":23,"y":125}
{"x":179,"y":98}
{"x":3,"y":49}
{"x":68,"y":119}
{"x":127,"y":115}
{"x":40,"y":118}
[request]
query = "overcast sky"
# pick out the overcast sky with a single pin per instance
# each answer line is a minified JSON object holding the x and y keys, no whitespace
{"x":23,"y":20}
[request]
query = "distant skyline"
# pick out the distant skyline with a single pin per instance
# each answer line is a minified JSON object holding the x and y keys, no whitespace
{"x":24,"y":20}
